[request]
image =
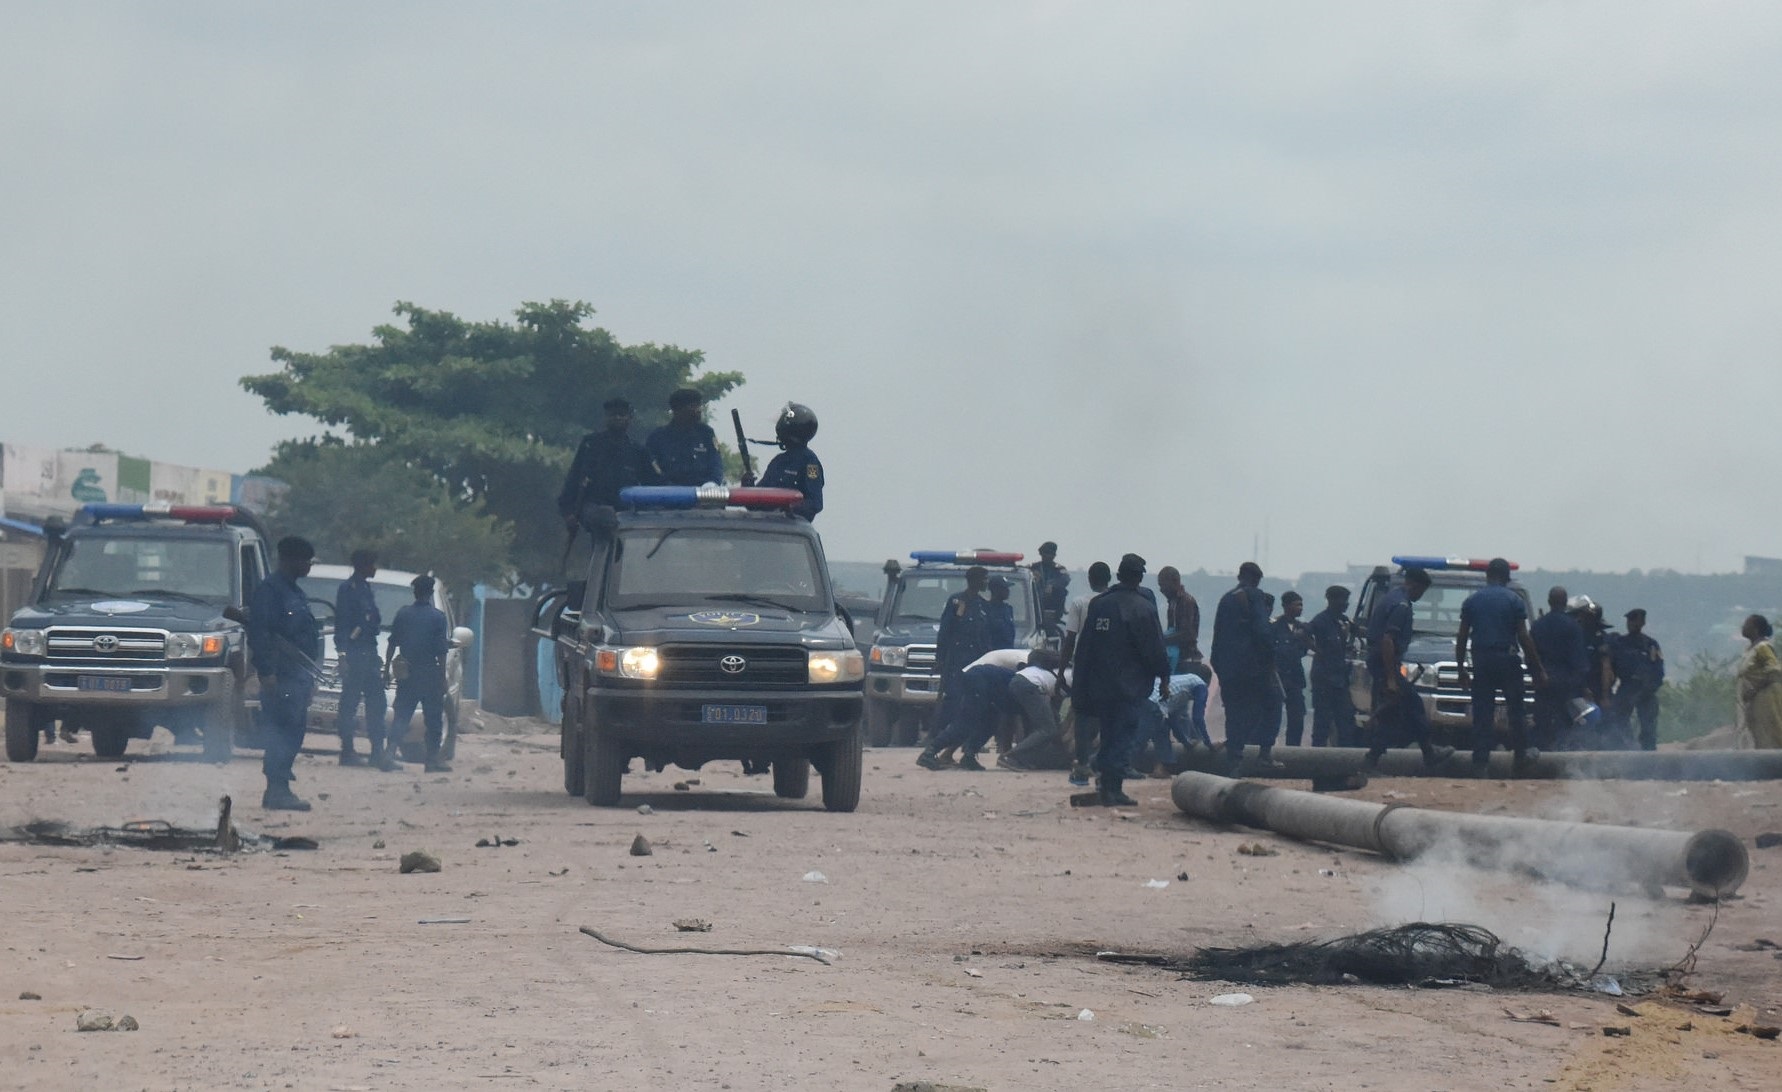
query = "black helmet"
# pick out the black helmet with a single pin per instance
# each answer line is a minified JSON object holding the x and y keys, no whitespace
{"x":796,"y":422}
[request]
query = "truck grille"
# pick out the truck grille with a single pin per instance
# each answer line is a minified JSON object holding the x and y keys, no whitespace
{"x":920,"y":659}
{"x":97,"y":645}
{"x":1451,"y":700}
{"x":733,"y":665}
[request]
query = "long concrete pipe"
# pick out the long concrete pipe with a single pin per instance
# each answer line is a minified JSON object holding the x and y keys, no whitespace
{"x":1711,"y":863}
{"x":1308,"y":762}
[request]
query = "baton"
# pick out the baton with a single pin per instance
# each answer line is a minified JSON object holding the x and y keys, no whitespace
{"x":742,"y":448}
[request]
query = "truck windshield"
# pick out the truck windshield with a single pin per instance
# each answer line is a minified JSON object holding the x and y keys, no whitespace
{"x":1438,"y":612}
{"x":691,"y":566}
{"x":183,"y":568}
{"x":921,"y":596}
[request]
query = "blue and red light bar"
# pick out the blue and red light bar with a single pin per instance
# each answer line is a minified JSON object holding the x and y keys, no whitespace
{"x":966,"y":557}
{"x":678,"y":497}
{"x":1468,"y":564}
{"x":191,"y":513}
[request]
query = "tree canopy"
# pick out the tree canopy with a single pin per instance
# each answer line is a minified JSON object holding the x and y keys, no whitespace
{"x":492,"y":411}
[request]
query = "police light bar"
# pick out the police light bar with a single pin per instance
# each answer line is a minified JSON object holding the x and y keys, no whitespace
{"x":676,"y":497}
{"x":965,"y":557}
{"x":191,"y":513}
{"x":1470,"y":564}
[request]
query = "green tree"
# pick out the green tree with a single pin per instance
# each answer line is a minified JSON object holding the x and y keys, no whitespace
{"x":1699,"y":702}
{"x":343,"y":497}
{"x":492,"y":410}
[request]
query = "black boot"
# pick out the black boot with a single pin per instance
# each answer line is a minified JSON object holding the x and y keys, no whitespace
{"x":279,"y":797}
{"x":383,"y":756}
{"x":436,"y":764}
{"x":1434,"y":756}
{"x":349,"y":756}
{"x":1112,"y":794}
{"x":929,"y":759}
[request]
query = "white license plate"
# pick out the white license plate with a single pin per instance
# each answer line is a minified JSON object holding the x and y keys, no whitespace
{"x":324,"y":705}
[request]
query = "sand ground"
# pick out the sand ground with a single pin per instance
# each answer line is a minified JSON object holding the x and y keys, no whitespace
{"x":963,"y":912}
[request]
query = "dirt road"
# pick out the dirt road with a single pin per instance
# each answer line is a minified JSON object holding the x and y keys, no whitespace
{"x":963,"y":912}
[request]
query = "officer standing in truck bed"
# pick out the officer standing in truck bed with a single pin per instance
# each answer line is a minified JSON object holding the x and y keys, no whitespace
{"x":796,"y":466}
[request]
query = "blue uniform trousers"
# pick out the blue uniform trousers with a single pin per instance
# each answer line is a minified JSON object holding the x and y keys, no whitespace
{"x":283,"y":714}
{"x":1397,"y":718}
{"x":1629,"y":703}
{"x":361,"y":681}
{"x":425,"y":686}
{"x":1247,"y":706}
{"x":1333,"y":717}
{"x":1121,"y":721}
{"x":1497,"y":673}
{"x":1293,"y":700}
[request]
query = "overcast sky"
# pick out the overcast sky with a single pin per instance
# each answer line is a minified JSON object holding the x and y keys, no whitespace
{"x":1314,"y":283}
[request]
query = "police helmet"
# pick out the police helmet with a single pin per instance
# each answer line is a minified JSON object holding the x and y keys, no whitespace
{"x":796,"y":422}
{"x":1581,"y":604}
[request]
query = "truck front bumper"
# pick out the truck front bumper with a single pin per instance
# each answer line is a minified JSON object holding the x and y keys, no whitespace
{"x":674,"y":721}
{"x":113,"y":687}
{"x":902,"y":688}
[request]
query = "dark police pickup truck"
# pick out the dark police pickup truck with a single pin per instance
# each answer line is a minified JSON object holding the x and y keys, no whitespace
{"x":127,"y":629}
{"x":707,"y":629}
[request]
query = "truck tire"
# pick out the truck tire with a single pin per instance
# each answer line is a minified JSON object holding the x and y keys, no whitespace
{"x":792,"y":777}
{"x":880,"y":718}
{"x":841,"y":766}
{"x":109,"y":738}
{"x":220,"y":721}
{"x":575,"y":772}
{"x":604,"y":768}
{"x":24,"y":727}
{"x":908,"y":727}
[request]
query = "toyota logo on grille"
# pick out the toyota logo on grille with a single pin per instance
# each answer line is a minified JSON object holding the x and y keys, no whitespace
{"x":105,"y":642}
{"x":733,"y":665}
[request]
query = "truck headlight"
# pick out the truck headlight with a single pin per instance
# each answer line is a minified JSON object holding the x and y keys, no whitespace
{"x":890,"y":655}
{"x":24,"y":642}
{"x":638,"y":662}
{"x":193,"y":646}
{"x":834,"y":667}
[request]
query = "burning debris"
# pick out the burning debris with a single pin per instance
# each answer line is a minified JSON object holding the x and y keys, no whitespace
{"x":156,"y":834}
{"x":1425,"y":954}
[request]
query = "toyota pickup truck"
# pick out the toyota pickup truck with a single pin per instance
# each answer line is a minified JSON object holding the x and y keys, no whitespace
{"x":707,"y":629}
{"x":133,"y":623}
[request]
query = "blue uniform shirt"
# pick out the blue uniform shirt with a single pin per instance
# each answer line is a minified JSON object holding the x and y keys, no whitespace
{"x":964,"y":632}
{"x":797,"y":468}
{"x":1290,"y":650}
{"x":419,"y":633}
{"x":1392,"y":616}
{"x":1559,"y":639}
{"x":605,"y":463}
{"x":356,"y":617}
{"x":1637,"y":661}
{"x":1120,"y":653}
{"x":1242,"y":642}
{"x":1495,"y":613}
{"x":1002,"y":623}
{"x":283,"y":637}
{"x":685,"y":454}
{"x":1330,"y":648}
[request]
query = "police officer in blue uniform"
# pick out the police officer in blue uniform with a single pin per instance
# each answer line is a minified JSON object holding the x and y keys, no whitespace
{"x":1560,"y":641}
{"x":284,"y":643}
{"x":1333,"y":711}
{"x":685,"y":450}
{"x":420,"y":635}
{"x":1396,"y":706}
{"x":1638,"y":664}
{"x":605,"y":462}
{"x":356,"y":626}
{"x":1243,"y":656}
{"x":796,"y":466}
{"x":1052,"y":582}
{"x":1002,"y":613}
{"x":1292,"y":642}
{"x":1495,"y":621}
{"x":964,"y":636}
{"x":1119,"y":656}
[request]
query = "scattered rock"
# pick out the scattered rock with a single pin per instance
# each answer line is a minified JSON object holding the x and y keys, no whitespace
{"x":1627,"y":1010}
{"x":682,"y":786}
{"x":640,"y":846}
{"x":27,"y":995}
{"x":419,"y":861}
{"x":930,"y":1086}
{"x":341,"y":1031}
{"x":1230,"y":1000}
{"x":1182,"y":876}
{"x":379,"y":844}
{"x":1617,"y":1032}
{"x":1761,"y":944}
{"x":1769,"y":840}
{"x":1761,"y":1031}
{"x":1257,"y":849}
{"x":127,"y":1023}
{"x":693,"y":925}
{"x":297,"y":841}
{"x":645,"y":809}
{"x":815,"y":877}
{"x":92,"y":1020}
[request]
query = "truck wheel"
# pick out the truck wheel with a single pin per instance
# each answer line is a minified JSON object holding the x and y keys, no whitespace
{"x":24,"y":727}
{"x":219,"y":724}
{"x":604,"y":768}
{"x":842,"y":762}
{"x":792,"y":777}
{"x":907,"y":730}
{"x":575,"y":772}
{"x":109,"y":738}
{"x":880,"y":720}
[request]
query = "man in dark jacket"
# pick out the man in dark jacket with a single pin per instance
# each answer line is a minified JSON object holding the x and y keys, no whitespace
{"x":421,"y":637}
{"x":1244,"y":659}
{"x":1333,"y":711}
{"x":356,"y":625}
{"x":1119,"y":656}
{"x":284,"y":642}
{"x":1560,"y":642}
{"x":606,"y":462}
{"x":685,"y":450}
